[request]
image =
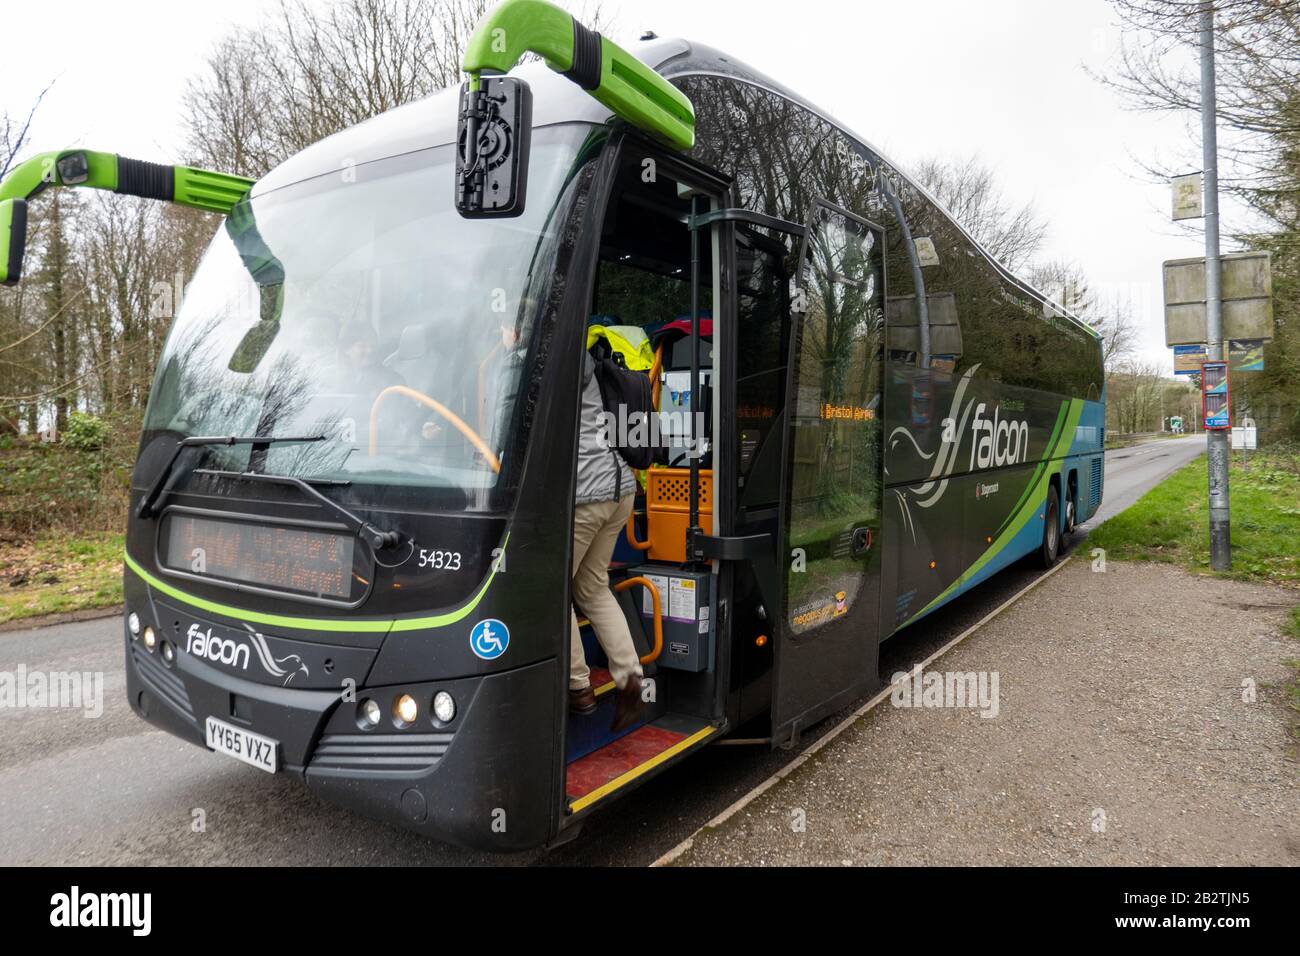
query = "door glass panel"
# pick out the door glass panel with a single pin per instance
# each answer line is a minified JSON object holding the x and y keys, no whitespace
{"x":833,"y":516}
{"x":763,"y":266}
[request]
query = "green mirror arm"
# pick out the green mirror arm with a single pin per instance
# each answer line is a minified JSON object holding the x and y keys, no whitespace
{"x":609,"y":73}
{"x":257,"y":257}
{"x":183,"y":185}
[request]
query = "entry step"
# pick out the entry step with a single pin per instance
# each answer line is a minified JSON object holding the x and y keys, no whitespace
{"x":624,"y":761}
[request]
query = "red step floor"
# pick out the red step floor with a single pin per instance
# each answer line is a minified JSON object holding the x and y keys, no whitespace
{"x":600,"y":678}
{"x":615,"y":759}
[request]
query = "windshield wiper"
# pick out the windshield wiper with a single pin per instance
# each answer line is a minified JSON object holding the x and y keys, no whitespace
{"x":162,"y":486}
{"x":363,"y":529}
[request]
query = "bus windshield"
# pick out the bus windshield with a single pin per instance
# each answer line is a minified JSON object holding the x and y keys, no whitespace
{"x":397,"y":329}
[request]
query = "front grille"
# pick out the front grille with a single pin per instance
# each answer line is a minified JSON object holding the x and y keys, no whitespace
{"x":1096,"y":484}
{"x":380,"y":752}
{"x":164,"y":683}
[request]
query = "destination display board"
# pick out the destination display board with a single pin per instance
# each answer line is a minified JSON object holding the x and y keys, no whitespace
{"x":303,"y":561}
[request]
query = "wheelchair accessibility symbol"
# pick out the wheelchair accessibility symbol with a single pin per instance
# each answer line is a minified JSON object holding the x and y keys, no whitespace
{"x":489,"y":639}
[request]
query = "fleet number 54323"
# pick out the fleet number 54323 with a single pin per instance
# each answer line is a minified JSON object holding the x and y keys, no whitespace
{"x":439,"y":560}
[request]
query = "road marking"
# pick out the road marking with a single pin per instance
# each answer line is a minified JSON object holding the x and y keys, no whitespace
{"x":846,"y":723}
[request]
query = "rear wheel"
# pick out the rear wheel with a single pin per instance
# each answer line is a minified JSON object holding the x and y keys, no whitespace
{"x":1071,"y":510}
{"x":1051,"y":546}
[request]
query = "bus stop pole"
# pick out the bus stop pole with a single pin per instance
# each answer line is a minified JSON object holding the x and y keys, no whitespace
{"x":1216,"y":439}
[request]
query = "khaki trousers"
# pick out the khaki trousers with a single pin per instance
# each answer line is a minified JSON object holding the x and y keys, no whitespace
{"x":596,"y":528}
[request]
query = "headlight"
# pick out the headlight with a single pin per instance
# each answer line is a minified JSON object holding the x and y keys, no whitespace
{"x":370,"y":713}
{"x":150,"y":638}
{"x":133,"y":624}
{"x":168,"y":653}
{"x":406,"y":709}
{"x":444,"y":706}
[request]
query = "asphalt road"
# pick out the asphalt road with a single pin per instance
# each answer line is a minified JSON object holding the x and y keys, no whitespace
{"x":113,"y":790}
{"x":1132,"y":471}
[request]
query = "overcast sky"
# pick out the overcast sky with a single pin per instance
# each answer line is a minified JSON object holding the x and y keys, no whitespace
{"x":1001,"y":79}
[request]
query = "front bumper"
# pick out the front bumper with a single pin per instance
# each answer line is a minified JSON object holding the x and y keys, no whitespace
{"x":487,"y":779}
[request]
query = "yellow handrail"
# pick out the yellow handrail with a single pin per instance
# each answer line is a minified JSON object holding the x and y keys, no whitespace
{"x":659,"y":625}
{"x":631,"y":534}
{"x":471,"y":436}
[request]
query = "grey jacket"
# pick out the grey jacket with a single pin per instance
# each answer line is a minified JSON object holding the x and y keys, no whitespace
{"x":603,"y":475}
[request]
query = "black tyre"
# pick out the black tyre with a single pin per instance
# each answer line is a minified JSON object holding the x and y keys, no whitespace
{"x":1071,"y":510}
{"x":1051,"y":547}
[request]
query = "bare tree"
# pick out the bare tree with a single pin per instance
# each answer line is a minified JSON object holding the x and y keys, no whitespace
{"x":1118,"y":329}
{"x":969,"y":191}
{"x":102,"y":273}
{"x":1257,"y":70}
{"x":307,"y":72}
{"x":14,"y":133}
{"x":1134,"y":391}
{"x":229,"y":109}
{"x":20,"y":358}
{"x":1258,"y":109}
{"x":1065,"y":283}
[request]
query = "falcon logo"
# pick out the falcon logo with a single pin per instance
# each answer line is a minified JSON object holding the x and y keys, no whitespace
{"x":233,"y":653}
{"x":995,"y":441}
{"x":209,"y":646}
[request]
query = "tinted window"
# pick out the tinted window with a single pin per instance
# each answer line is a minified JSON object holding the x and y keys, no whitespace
{"x":835,"y":474}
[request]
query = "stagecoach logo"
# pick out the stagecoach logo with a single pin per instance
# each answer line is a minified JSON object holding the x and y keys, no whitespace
{"x":489,"y":639}
{"x":983,"y":491}
{"x":207,"y":646}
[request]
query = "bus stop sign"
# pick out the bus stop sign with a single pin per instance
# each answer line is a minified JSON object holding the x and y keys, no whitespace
{"x":1247,"y":291}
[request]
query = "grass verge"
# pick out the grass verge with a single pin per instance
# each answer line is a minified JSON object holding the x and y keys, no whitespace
{"x":1171,"y":522}
{"x":57,"y":573}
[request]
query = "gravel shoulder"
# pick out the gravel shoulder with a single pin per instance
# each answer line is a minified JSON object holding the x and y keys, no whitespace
{"x":1122,"y":737}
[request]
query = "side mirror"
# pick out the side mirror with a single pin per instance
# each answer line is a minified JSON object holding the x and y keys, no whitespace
{"x":252,"y":348}
{"x":492,"y":139}
{"x":13,"y":239}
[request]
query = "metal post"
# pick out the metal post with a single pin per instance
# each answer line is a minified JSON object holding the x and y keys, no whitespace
{"x":1217,"y":446}
{"x":693,"y":528}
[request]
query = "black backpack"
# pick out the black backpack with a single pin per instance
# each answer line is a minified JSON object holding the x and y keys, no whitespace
{"x":627,"y":396}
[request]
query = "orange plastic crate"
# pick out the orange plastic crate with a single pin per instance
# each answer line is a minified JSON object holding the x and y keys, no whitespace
{"x":668,"y":510}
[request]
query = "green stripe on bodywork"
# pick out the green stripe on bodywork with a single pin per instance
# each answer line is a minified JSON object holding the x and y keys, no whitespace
{"x":1038,"y":469}
{"x":1034,"y":496}
{"x":319,"y":623}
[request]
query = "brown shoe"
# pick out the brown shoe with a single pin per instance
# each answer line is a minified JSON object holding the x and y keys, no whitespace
{"x":582,"y":701}
{"x":628,"y":705}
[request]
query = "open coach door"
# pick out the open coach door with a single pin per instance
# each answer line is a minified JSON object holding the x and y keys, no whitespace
{"x":828,"y":633}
